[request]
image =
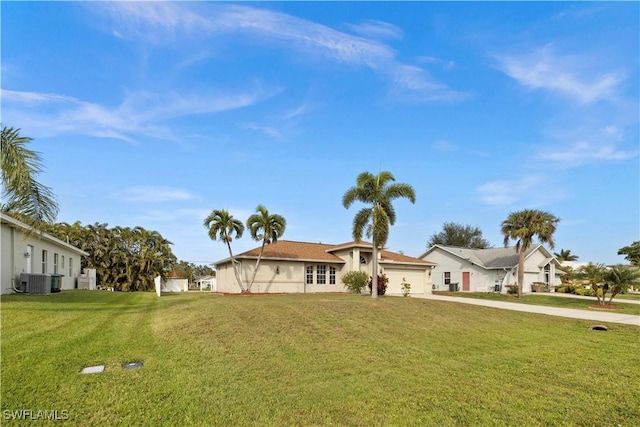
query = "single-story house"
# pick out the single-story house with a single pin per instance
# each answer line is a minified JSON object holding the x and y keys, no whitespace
{"x":27,"y":251}
{"x":304,"y":267}
{"x":487,"y":270}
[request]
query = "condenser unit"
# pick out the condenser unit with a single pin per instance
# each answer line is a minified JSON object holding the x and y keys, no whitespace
{"x":35,"y":283}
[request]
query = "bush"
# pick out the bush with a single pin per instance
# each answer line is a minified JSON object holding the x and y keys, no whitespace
{"x":512,"y":289}
{"x":355,"y":281}
{"x":405,"y":287}
{"x":382,"y":284}
{"x":581,"y":290}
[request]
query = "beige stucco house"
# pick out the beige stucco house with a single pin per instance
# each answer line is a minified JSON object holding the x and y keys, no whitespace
{"x":303,"y":267}
{"x":25,"y":251}
{"x":488,"y":270}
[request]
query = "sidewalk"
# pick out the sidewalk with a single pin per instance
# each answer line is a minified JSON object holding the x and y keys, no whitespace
{"x":602,"y":317}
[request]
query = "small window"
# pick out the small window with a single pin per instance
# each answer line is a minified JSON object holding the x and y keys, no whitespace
{"x":55,"y":263}
{"x":70,"y":267}
{"x":310,"y":275}
{"x":321,"y":277}
{"x":62,"y":262}
{"x":332,"y":275}
{"x":447,"y":277}
{"x":44,"y":261}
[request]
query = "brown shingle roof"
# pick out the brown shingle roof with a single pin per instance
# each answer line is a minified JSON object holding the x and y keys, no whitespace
{"x":305,"y":251}
{"x":287,"y":249}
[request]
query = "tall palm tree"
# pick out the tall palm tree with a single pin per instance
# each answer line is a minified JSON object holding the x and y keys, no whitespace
{"x":26,"y":198}
{"x":265,"y":227}
{"x":522,"y":226}
{"x":377,"y":192}
{"x":223,"y":226}
{"x":565,"y":255}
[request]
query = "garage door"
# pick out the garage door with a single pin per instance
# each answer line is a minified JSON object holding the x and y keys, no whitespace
{"x":414,"y":277}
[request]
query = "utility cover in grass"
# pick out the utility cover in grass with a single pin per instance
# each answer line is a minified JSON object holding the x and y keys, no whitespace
{"x":132,"y":365}
{"x":92,"y":369}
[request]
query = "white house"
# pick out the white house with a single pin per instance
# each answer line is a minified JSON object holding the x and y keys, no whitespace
{"x":206,"y":283}
{"x":488,"y":270}
{"x":26,"y":251}
{"x":304,"y":267}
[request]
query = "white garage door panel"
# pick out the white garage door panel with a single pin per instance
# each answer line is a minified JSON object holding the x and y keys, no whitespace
{"x":415,"y":278}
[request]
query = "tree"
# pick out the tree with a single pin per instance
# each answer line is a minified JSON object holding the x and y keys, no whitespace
{"x":377,"y":192}
{"x":593,"y":274}
{"x":464,"y":236}
{"x":565,"y":255}
{"x":617,"y":279}
{"x":522,"y":226}
{"x":124,"y":258}
{"x":26,"y":198}
{"x":223,"y":226}
{"x":266,"y":227}
{"x":632,"y":253}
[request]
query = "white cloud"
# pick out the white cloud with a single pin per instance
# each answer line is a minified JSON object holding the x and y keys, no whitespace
{"x":157,"y":22}
{"x":532,"y":189}
{"x":266,"y":130}
{"x":586,"y":152}
{"x":569,"y":75}
{"x":140,"y":113}
{"x":154,"y":194}
{"x":444,"y":145}
{"x":377,"y":29}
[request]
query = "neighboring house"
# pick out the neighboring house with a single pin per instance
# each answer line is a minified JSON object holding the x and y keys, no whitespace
{"x":303,"y":267}
{"x":206,"y":283}
{"x":26,"y":251}
{"x":487,"y":270}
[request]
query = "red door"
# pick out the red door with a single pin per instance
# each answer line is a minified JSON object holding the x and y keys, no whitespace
{"x":465,"y":280}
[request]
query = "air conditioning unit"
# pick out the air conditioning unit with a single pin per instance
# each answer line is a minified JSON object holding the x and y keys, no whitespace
{"x":35,"y":283}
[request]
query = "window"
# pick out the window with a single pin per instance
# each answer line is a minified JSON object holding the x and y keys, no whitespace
{"x":332,"y":275}
{"x":62,"y":263}
{"x":321,"y":274}
{"x":309,"y":274}
{"x":447,"y":277}
{"x":44,"y":261}
{"x":547,"y":274}
{"x":55,"y":263}
{"x":70,"y":267}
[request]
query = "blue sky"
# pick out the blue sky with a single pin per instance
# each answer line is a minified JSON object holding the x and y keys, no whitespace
{"x":153,"y":114}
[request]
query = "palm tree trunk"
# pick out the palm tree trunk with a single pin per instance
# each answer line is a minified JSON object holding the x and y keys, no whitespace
{"x":235,"y":268}
{"x":521,"y":270}
{"x":374,"y":273}
{"x":255,"y":271}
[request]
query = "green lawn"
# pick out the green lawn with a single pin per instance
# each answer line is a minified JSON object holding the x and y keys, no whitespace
{"x":306,"y":360}
{"x":548,"y":299}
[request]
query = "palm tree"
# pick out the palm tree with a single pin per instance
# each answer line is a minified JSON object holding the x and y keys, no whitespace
{"x":26,"y":198}
{"x":265,"y":227}
{"x":522,"y":226}
{"x":593,"y":274}
{"x":377,"y":192}
{"x":222,"y":226}
{"x":565,"y":255}
{"x":618,"y":279}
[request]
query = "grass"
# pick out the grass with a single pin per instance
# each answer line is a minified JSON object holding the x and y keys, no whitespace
{"x":548,"y":300}
{"x":307,"y":360}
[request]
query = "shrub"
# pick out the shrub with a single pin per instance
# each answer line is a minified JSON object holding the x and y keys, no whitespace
{"x":382,"y":284}
{"x":355,"y":281}
{"x":512,"y":289}
{"x":405,"y":287}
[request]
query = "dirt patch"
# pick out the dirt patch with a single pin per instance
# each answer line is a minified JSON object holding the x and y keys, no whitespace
{"x":603,"y":307}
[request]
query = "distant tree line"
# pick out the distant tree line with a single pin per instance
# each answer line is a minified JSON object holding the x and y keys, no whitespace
{"x":126,"y":259}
